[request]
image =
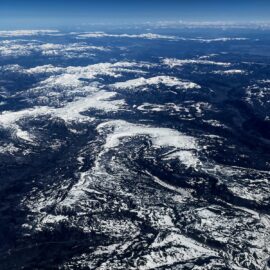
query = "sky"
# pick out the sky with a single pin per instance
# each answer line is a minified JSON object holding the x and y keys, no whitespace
{"x":26,"y":13}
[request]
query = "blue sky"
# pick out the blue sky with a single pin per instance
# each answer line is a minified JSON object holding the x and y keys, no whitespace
{"x":74,"y":12}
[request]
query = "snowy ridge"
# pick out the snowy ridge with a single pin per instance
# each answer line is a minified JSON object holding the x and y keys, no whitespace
{"x":69,"y":80}
{"x":15,"y":48}
{"x":223,"y":39}
{"x":159,"y":36}
{"x":111,"y":158}
{"x":230,"y":72}
{"x":173,"y":62}
{"x":165,"y":80}
{"x":70,"y":112}
{"x":143,"y":36}
{"x":18,"y":33}
{"x":160,"y":136}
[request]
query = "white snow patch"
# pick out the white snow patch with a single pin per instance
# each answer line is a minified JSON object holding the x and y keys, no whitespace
{"x":143,"y":36}
{"x":230,"y":72}
{"x":17,"y":33}
{"x":15,"y":48}
{"x":173,"y":62}
{"x":8,"y":149}
{"x":168,"y":186}
{"x":222,"y":39}
{"x":175,"y":248}
{"x":165,"y":80}
{"x":70,"y":112}
{"x":161,"y":137}
{"x":100,"y":101}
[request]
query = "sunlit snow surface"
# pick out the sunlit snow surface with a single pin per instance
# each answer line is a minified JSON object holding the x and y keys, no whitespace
{"x":135,"y":149}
